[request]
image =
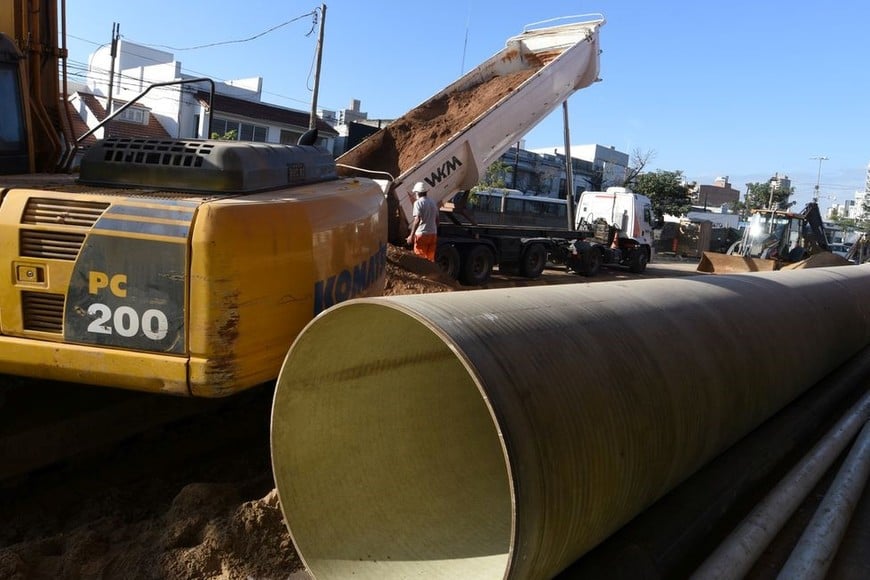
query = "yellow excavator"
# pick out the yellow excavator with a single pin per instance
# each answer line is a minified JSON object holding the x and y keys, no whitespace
{"x":776,"y":240}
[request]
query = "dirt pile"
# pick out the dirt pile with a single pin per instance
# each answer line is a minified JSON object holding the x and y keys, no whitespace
{"x":207,"y":532}
{"x":411,"y":274}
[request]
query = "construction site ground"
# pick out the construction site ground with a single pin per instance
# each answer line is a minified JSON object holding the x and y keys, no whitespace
{"x":192,"y":499}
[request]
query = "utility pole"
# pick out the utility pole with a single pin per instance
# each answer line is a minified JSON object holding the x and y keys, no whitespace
{"x":116,"y":34}
{"x":818,"y":176}
{"x":312,"y":121}
{"x":569,"y":167}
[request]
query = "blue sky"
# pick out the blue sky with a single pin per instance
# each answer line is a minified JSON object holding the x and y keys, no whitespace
{"x":743,"y":89}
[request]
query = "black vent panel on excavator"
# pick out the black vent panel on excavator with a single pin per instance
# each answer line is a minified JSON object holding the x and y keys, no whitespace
{"x":204,"y":166}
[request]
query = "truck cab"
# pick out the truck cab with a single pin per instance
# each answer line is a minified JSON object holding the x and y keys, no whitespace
{"x":617,"y":229}
{"x":630,"y":213}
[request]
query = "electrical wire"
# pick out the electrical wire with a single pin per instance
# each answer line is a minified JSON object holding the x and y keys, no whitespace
{"x":241,"y":40}
{"x":86,"y":68}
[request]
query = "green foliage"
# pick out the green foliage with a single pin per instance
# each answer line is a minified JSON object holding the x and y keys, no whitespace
{"x":495,"y":177}
{"x":231,"y":135}
{"x":666,"y":191}
{"x":760,"y":195}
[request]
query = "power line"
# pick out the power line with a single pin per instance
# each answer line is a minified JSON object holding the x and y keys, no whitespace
{"x":241,"y":40}
{"x":130,"y":51}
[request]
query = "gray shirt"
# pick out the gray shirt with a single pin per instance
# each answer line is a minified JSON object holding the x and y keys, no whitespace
{"x":427,"y":211}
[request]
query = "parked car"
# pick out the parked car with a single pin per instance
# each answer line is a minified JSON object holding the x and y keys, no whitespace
{"x":840,"y":249}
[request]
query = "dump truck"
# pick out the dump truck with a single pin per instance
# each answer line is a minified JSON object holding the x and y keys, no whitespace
{"x":482,"y":114}
{"x":612,"y":227}
{"x":187,"y":267}
{"x":774,"y":240}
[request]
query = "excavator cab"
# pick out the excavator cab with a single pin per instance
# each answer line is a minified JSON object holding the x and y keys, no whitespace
{"x":773,"y":235}
{"x":13,"y":143}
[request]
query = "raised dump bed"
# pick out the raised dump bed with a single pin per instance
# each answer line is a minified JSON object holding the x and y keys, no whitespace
{"x":450,"y":139}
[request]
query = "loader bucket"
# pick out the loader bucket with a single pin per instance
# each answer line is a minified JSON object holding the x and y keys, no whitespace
{"x":715,"y":263}
{"x":820,"y":260}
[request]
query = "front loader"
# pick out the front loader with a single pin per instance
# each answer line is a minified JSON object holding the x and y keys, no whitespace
{"x":776,"y":240}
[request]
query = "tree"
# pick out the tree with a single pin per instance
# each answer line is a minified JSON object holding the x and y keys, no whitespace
{"x":667,"y":191}
{"x":760,"y":195}
{"x":639,"y":160}
{"x":495,"y":177}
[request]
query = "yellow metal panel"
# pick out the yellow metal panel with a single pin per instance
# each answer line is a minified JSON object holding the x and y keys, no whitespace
{"x":154,"y":373}
{"x":55,"y":273}
{"x":256,"y":265}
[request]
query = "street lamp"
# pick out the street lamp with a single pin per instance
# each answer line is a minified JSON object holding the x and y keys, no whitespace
{"x":818,"y":175}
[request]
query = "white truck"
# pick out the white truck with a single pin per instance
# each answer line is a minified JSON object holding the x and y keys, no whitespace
{"x":618,"y":230}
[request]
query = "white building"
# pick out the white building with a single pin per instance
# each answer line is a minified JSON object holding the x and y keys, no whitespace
{"x":610,"y":163}
{"x":183,"y":109}
{"x":853,"y":208}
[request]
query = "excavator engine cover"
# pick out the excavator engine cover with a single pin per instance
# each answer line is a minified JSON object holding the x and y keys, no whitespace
{"x":205,"y":166}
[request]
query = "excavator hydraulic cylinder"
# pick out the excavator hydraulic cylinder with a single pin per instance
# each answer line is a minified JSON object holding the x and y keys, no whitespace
{"x":505,"y":433}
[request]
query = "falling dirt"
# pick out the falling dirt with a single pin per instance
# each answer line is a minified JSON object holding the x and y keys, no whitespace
{"x":410,"y":138}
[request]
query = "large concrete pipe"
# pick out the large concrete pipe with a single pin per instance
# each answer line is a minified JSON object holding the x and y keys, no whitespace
{"x":504,"y":433}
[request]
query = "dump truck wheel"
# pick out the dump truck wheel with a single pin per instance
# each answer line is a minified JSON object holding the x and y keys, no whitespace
{"x":638,"y":262}
{"x":591,"y":262}
{"x":477,"y":266}
{"x":534,"y":260}
{"x":447,"y":258}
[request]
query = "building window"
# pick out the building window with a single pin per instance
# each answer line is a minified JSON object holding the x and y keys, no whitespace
{"x":289,"y":137}
{"x":238,"y":131}
{"x":132,"y":115}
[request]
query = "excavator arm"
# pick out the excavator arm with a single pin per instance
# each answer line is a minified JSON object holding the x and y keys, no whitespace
{"x":814,"y":225}
{"x":33,"y":134}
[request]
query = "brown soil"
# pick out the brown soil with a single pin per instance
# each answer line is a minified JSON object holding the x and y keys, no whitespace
{"x":405,"y":141}
{"x":410,"y":274}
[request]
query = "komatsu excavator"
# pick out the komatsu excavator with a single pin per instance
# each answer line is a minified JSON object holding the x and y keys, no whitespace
{"x":188,"y":267}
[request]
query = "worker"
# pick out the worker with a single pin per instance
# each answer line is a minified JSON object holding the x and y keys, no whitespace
{"x":424,"y":229}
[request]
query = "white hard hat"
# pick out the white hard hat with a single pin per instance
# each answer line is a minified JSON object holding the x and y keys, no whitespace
{"x":419,"y":187}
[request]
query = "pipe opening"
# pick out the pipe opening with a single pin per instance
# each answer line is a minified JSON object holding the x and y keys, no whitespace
{"x":388,"y":467}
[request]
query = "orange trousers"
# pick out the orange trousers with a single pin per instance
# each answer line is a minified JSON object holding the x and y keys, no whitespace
{"x":424,"y":246}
